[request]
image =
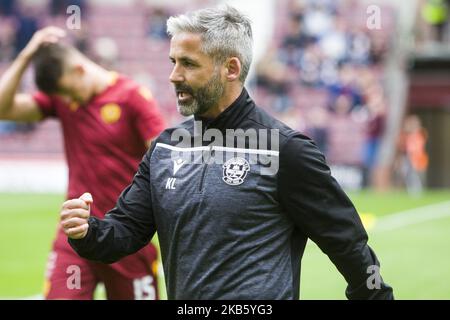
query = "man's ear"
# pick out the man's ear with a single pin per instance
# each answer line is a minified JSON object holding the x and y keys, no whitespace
{"x":233,"y":69}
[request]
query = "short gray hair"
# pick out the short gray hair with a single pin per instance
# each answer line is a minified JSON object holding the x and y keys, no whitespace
{"x":225,"y":32}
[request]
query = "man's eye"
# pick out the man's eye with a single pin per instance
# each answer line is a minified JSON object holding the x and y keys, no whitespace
{"x":189,"y":64}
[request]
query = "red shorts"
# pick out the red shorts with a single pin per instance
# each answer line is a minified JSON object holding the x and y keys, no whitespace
{"x":69,"y":276}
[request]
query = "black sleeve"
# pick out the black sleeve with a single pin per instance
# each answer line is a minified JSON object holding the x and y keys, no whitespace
{"x":322,"y":211}
{"x":126,"y":228}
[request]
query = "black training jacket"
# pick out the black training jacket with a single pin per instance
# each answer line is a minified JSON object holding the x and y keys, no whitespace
{"x":233,"y":212}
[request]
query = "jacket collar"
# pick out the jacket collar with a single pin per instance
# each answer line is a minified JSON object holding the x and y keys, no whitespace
{"x":232,"y":116}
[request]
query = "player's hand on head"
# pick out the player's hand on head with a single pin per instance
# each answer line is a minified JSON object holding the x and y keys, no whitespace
{"x":43,"y":36}
{"x":74,"y":216}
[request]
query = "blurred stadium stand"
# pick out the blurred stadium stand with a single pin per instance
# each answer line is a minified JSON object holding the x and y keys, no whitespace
{"x":127,"y":36}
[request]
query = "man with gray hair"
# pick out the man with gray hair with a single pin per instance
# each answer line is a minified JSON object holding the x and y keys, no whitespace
{"x":228,"y":230}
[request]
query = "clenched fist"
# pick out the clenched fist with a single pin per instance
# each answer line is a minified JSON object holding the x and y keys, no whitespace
{"x":74,"y":216}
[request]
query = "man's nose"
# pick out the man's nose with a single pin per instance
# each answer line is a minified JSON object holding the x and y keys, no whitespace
{"x":176,"y":76}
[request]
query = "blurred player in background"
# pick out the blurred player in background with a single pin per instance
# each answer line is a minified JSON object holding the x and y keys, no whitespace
{"x":108,"y":123}
{"x":414,"y":158}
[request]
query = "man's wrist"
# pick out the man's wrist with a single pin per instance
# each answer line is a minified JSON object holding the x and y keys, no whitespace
{"x":92,"y":224}
{"x":25,"y":56}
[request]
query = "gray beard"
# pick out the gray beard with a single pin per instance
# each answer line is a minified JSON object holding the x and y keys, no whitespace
{"x":204,"y":98}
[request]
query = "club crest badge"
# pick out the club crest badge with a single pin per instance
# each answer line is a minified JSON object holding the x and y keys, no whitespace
{"x":110,"y":113}
{"x":235,"y":170}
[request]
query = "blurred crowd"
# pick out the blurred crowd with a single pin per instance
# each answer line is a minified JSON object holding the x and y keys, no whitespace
{"x":327,"y":48}
{"x":323,"y":64}
{"x":323,"y":46}
{"x":433,"y":23}
{"x":19,"y":20}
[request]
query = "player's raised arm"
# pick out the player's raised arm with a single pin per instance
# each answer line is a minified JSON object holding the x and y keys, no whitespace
{"x":22,"y":107}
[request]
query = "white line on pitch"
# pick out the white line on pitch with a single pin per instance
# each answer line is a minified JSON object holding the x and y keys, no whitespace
{"x":413,"y":216}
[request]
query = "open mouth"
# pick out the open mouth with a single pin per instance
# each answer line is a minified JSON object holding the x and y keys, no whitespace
{"x":183,"y":95}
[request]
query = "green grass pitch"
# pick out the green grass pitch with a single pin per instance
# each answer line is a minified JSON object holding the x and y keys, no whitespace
{"x":415,"y":258}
